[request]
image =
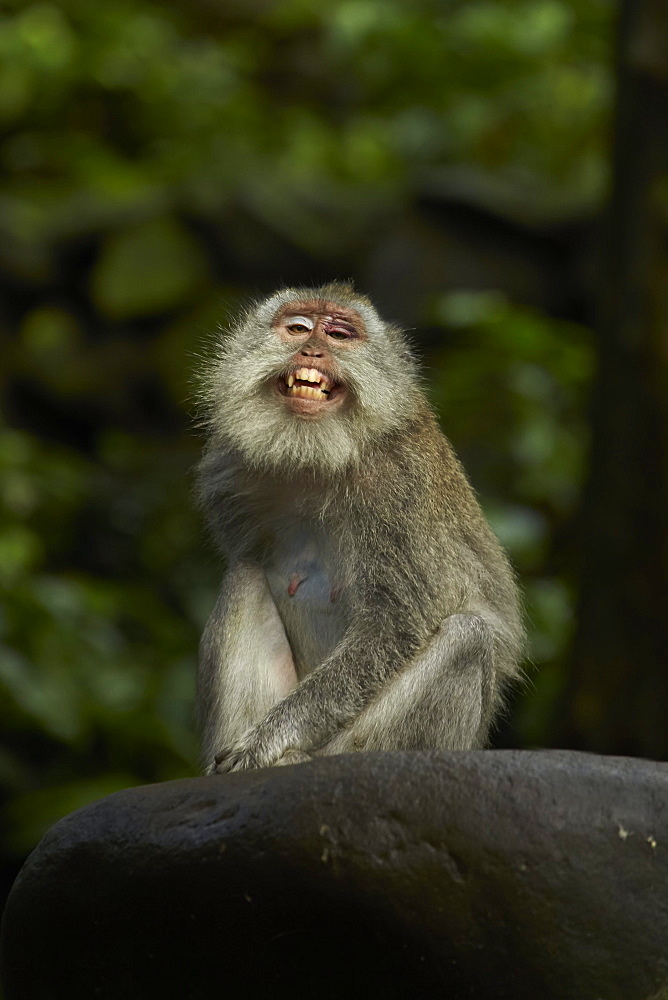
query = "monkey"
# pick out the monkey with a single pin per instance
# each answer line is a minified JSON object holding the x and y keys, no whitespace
{"x":366,"y":604}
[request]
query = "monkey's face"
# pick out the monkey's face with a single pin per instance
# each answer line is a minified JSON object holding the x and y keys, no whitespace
{"x":308,"y":379}
{"x":320,"y":335}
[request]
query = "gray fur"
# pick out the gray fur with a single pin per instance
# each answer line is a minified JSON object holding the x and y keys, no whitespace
{"x":405,"y":626}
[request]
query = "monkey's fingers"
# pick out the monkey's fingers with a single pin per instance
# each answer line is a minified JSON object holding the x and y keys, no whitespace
{"x":245,"y":760}
{"x":223,"y":761}
{"x":234,"y":759}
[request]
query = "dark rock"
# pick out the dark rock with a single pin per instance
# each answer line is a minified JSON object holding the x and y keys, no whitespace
{"x":502,"y":875}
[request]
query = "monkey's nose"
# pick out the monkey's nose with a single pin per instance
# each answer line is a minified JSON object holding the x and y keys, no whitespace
{"x":312,"y":351}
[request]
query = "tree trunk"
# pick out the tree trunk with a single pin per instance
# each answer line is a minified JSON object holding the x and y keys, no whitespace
{"x":617,"y":699}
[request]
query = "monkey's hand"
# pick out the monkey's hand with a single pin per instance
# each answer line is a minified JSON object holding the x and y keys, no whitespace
{"x":256,"y":749}
{"x":234,"y":758}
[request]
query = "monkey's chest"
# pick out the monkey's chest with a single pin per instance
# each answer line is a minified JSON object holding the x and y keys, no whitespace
{"x":308,"y":603}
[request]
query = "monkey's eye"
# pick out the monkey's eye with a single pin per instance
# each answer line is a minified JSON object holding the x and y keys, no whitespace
{"x":340,"y":330}
{"x":299,"y":324}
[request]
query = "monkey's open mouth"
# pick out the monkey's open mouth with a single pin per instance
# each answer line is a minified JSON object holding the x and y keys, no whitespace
{"x":308,"y":383}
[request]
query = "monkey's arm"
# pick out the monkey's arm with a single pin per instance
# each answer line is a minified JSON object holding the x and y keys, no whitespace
{"x":245,"y":661}
{"x":388,"y":629}
{"x":413,"y":595}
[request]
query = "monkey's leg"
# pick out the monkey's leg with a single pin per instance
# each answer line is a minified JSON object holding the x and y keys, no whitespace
{"x":246,"y":663}
{"x":443,"y":699}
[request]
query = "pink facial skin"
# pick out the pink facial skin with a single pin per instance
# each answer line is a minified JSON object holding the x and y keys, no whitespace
{"x":312,"y":385}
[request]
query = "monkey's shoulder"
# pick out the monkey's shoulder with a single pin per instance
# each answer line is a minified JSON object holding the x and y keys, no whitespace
{"x":416,"y":468}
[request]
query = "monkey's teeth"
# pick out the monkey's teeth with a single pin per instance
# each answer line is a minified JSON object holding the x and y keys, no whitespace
{"x":321,"y":385}
{"x":310,"y":375}
{"x":306,"y":392}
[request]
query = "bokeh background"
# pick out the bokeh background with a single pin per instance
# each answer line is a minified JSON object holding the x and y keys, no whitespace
{"x":494,"y":173}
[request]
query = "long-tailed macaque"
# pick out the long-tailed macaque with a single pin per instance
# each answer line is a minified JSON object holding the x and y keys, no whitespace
{"x":366,"y":604}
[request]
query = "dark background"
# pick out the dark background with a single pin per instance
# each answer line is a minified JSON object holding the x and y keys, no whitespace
{"x":494,"y":174}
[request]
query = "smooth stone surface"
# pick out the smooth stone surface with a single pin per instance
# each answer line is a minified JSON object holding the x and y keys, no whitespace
{"x":503,"y":875}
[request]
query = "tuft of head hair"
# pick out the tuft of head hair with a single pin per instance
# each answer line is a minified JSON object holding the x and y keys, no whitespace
{"x":241,"y":412}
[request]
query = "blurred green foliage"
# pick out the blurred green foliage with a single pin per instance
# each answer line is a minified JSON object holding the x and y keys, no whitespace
{"x":127,"y":111}
{"x":124,"y":124}
{"x":95,"y":668}
{"x":511,"y":387}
